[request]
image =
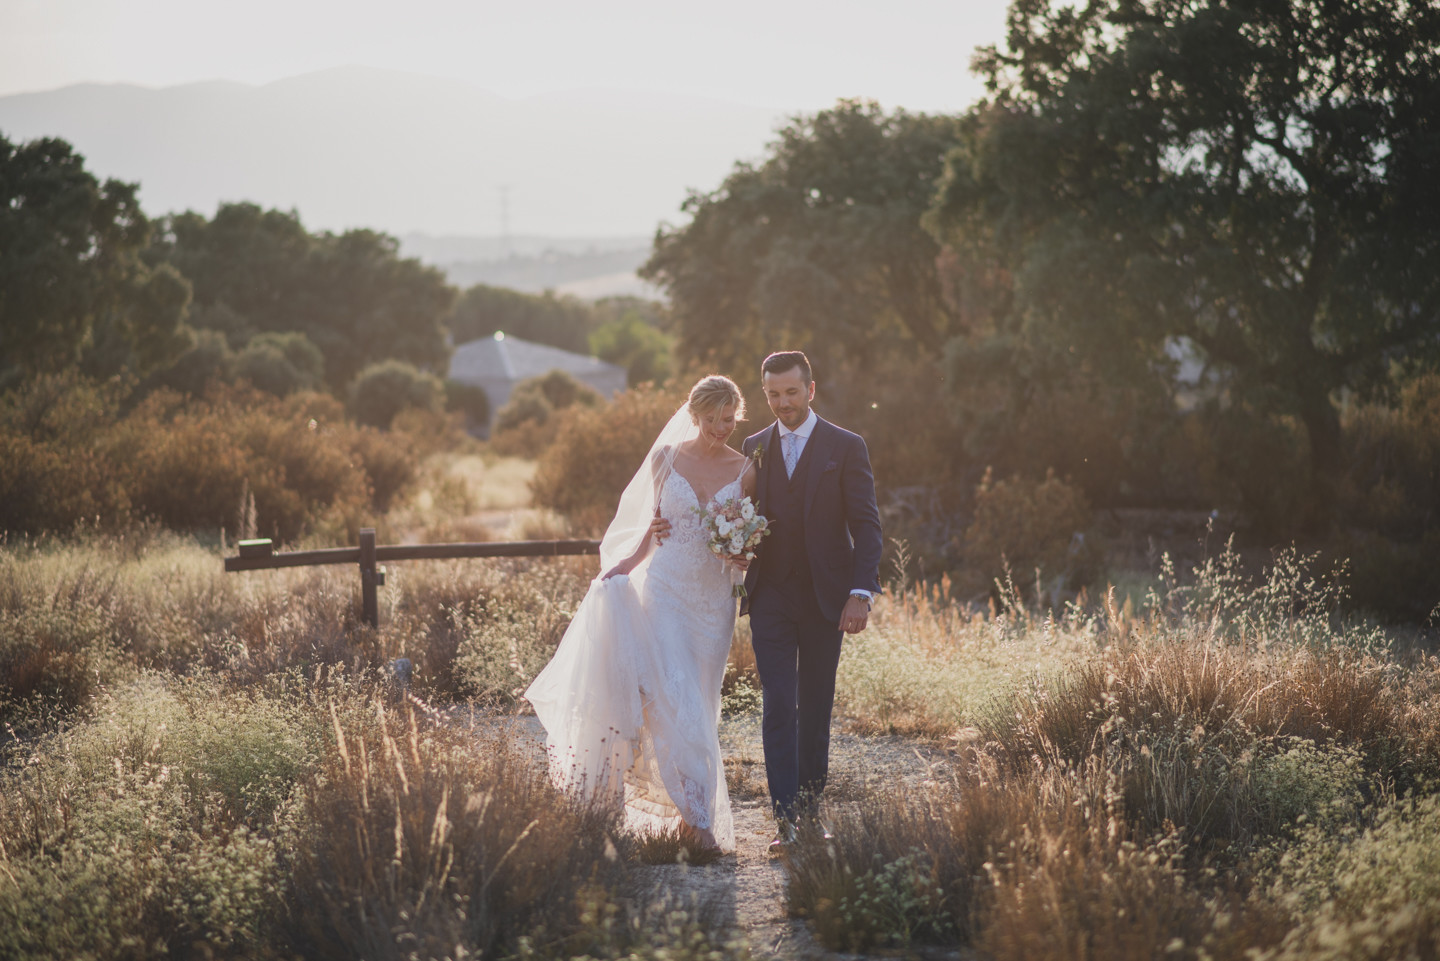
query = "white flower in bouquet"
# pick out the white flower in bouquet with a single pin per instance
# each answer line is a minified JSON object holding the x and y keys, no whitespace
{"x":735,"y":529}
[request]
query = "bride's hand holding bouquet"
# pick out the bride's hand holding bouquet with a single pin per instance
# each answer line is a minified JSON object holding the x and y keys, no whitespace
{"x":734,"y":529}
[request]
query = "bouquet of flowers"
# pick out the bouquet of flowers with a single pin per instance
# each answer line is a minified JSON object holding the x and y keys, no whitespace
{"x":735,"y":529}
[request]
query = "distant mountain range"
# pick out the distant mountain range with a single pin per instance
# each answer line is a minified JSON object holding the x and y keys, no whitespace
{"x":586,"y":267}
{"x":404,"y":153}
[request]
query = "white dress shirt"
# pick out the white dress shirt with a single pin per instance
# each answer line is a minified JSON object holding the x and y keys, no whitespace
{"x":802,"y":437}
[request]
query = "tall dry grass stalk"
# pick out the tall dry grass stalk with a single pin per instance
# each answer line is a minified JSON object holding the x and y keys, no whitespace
{"x":418,"y":841}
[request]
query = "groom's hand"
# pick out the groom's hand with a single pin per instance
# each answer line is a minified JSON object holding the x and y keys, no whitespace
{"x":659,"y":529}
{"x":855,"y":615}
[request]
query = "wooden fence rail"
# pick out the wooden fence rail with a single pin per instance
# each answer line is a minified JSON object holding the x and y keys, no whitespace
{"x":256,"y":555}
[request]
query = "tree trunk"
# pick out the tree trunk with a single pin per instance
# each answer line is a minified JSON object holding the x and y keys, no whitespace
{"x":1322,"y":424}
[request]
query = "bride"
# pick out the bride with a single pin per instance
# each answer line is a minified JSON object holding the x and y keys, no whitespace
{"x":631,"y":700}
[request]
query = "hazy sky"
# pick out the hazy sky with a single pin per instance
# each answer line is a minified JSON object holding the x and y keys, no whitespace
{"x":784,"y":54}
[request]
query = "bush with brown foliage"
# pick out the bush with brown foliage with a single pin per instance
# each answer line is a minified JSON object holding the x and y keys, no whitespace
{"x":1023,"y":525}
{"x":70,"y":453}
{"x":595,"y":453}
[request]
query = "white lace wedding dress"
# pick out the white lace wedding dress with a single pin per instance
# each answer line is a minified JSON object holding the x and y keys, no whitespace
{"x":631,"y":700}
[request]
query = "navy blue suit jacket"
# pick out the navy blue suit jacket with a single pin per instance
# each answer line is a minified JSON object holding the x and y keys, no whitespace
{"x":842,"y":521}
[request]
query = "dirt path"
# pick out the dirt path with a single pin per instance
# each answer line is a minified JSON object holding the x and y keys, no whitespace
{"x":746,"y":893}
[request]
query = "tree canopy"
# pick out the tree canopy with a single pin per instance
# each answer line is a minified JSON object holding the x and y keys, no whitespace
{"x":1255,"y":184}
{"x":819,"y":245}
{"x":73,"y":288}
{"x":350,"y":294}
{"x":563,"y":322}
{"x":630,"y":335}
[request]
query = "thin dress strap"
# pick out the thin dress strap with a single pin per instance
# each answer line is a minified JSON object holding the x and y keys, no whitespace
{"x":741,"y":476}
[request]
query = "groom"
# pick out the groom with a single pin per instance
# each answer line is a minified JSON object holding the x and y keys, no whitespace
{"x":811,"y":581}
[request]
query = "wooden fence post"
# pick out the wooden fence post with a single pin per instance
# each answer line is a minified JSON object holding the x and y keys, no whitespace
{"x":370,"y":606}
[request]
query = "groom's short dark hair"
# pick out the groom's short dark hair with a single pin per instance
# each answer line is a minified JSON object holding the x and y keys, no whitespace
{"x":783,"y":360}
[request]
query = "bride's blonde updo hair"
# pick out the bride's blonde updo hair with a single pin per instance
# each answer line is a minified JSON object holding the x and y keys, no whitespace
{"x":713,"y":393}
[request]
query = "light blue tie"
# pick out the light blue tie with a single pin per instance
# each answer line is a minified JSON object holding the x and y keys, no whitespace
{"x":791,"y":451}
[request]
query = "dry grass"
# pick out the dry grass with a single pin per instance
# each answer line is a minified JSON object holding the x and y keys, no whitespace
{"x":417,"y":842}
{"x":151,"y":828}
{"x":1158,"y":713}
{"x":322,"y":818}
{"x":1075,"y":886}
{"x":1040,"y":866}
{"x":926,"y":668}
{"x":211,"y":767}
{"x":672,"y":847}
{"x":904,"y":868}
{"x":85,"y":614}
{"x":1193,"y":780}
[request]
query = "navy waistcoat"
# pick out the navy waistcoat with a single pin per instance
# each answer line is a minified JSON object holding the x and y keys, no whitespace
{"x":782,"y":557}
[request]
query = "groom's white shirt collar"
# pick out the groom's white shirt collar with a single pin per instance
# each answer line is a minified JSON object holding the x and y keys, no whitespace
{"x":804,"y":430}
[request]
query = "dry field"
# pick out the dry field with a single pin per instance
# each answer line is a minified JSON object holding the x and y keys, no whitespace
{"x":203,"y":765}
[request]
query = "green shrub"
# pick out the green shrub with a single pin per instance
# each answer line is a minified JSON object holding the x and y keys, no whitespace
{"x":281,"y":363}
{"x":527,"y":407}
{"x":559,"y":321}
{"x":149,"y":830}
{"x":1259,"y":462}
{"x":209,"y":360}
{"x":1392,"y":457}
{"x":1397,"y":580}
{"x":470,"y":400}
{"x":503,"y":644}
{"x":902,"y":870}
{"x":536,"y":399}
{"x":1363,"y":892}
{"x":381,"y":391}
{"x":630,"y":342}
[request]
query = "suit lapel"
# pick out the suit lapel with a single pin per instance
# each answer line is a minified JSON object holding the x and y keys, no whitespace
{"x":770,"y":442}
{"x":818,"y":450}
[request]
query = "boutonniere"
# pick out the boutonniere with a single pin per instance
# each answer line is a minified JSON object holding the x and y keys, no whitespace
{"x":758,"y":456}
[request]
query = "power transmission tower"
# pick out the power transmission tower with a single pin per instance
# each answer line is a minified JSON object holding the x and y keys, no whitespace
{"x":505,"y":221}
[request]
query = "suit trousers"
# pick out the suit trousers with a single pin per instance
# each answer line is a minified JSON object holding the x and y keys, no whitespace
{"x":796,"y":653}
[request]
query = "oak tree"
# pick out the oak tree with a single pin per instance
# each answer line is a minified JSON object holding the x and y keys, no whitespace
{"x":1252,"y":183}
